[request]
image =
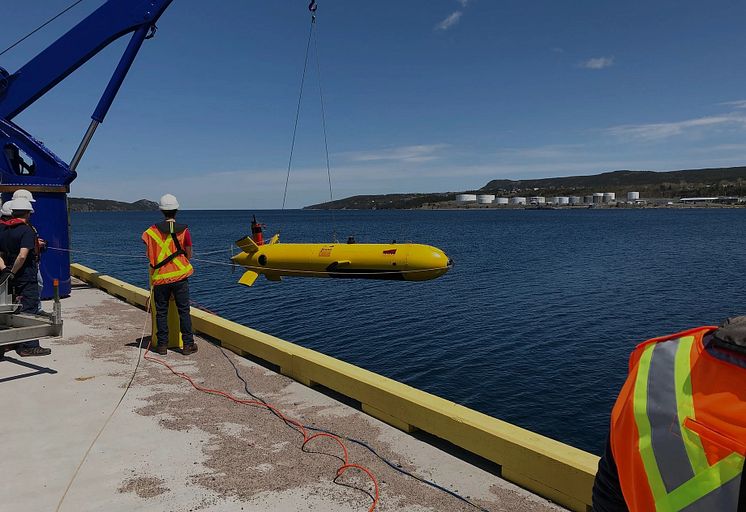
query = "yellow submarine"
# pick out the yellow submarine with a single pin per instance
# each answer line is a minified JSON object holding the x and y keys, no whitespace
{"x":275,"y":260}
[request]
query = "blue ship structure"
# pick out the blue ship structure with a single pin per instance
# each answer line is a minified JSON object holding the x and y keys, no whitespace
{"x":25,"y":162}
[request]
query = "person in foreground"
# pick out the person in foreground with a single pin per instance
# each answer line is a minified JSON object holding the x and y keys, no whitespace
{"x":169,"y":249}
{"x":19,"y":247}
{"x":678,"y":428}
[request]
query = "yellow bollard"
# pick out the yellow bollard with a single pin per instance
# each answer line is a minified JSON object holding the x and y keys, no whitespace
{"x":174,"y":330}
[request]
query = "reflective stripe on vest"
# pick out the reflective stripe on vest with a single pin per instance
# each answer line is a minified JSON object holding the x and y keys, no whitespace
{"x":165,"y":274}
{"x":675,"y":462}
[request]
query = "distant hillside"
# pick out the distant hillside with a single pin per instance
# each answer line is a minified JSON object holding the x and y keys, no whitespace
{"x":83,"y":204}
{"x":716,"y":181}
{"x":383,"y":202}
{"x":730,"y":181}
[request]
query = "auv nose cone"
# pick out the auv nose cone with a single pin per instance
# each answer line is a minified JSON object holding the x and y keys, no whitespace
{"x":426,"y":262}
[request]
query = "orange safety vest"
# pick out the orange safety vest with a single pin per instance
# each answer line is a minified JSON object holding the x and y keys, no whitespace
{"x":168,"y":262}
{"x":678,"y":428}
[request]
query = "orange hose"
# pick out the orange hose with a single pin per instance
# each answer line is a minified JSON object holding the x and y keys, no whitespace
{"x":295,"y":424}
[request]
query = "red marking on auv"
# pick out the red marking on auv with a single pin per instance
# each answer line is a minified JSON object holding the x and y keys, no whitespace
{"x":389,"y":251}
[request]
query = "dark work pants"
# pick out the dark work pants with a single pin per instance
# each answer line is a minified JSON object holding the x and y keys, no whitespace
{"x":28,"y":292}
{"x":607,"y":491}
{"x":161,"y":295}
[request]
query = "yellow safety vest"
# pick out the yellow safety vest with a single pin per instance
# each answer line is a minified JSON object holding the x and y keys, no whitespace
{"x":679,"y":426}
{"x":168,"y":262}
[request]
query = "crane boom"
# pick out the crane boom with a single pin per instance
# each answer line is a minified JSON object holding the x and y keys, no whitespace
{"x":24,"y":160}
{"x":106,"y":24}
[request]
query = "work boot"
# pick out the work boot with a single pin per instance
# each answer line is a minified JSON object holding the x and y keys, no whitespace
{"x":189,"y":349}
{"x":161,"y":349}
{"x":35,"y":351}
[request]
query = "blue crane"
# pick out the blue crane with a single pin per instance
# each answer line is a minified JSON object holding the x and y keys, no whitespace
{"x":25,"y":162}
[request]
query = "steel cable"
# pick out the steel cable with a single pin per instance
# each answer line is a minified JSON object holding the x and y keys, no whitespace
{"x":365,"y":445}
{"x":50,"y":20}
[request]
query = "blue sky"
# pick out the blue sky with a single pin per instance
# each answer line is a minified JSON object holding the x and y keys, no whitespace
{"x":421,"y":96}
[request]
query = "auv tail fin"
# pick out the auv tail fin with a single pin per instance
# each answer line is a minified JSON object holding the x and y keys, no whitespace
{"x":247,"y":245}
{"x":248,"y":278}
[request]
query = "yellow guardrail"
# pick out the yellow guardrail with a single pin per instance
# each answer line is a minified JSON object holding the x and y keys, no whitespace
{"x":551,"y":469}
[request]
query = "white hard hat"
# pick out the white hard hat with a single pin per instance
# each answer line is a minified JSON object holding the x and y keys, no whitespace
{"x":21,"y":205}
{"x":168,"y":202}
{"x":22,"y":193}
{"x":7,"y":210}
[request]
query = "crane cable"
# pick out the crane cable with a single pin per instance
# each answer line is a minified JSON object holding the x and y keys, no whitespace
{"x":50,"y":20}
{"x":312,"y":35}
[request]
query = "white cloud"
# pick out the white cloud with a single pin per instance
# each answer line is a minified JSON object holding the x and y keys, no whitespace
{"x":726,"y":148}
{"x":597,"y":63}
{"x":546,"y":152}
{"x":405,"y":154}
{"x":463,"y":3}
{"x":657,"y":131}
{"x":739,"y":104}
{"x":449,"y":21}
{"x":391,"y":171}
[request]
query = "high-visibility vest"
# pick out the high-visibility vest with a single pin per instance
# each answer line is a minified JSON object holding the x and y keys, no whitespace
{"x":168,"y":262}
{"x":678,"y":428}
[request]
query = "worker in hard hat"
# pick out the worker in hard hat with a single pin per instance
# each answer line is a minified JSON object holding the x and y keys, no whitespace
{"x":6,"y":212}
{"x":678,"y":428}
{"x":19,"y":249}
{"x":22,"y":193}
{"x":169,"y":249}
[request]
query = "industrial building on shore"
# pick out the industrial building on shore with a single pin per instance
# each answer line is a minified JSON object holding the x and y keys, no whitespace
{"x":597,"y":198}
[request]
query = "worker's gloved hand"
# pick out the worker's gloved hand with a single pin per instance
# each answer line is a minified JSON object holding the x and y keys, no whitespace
{"x":6,"y":276}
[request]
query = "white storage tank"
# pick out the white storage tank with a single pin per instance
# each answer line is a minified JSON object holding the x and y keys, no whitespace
{"x":466,"y":198}
{"x":500,"y":200}
{"x":588,"y":199}
{"x":598,"y":197}
{"x":609,"y":197}
{"x":561,"y":200}
{"x":517,"y":200}
{"x":485,"y":198}
{"x":537,"y":200}
{"x":633,"y":196}
{"x":576,"y":200}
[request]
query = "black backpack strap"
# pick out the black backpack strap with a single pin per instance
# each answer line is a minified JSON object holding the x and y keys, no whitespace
{"x":179,"y":249}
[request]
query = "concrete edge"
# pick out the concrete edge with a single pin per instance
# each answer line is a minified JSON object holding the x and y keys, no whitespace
{"x":551,"y":469}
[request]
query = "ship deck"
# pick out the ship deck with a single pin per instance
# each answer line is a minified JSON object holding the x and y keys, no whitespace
{"x":170,"y":447}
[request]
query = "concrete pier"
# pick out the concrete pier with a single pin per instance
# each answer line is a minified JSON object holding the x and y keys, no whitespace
{"x":169,"y":447}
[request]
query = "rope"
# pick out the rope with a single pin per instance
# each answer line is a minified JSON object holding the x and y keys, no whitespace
{"x":288,"y":421}
{"x":216,"y":251}
{"x":323,"y":126}
{"x":297,"y":115}
{"x":111,"y":415}
{"x":295,"y":425}
{"x":266,"y":269}
{"x":50,"y":20}
{"x":360,"y":443}
{"x":320,"y":272}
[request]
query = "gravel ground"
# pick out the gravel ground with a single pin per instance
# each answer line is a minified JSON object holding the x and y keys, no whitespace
{"x":250,"y":458}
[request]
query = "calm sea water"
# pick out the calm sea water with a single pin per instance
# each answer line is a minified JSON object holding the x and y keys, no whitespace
{"x":534,"y":324}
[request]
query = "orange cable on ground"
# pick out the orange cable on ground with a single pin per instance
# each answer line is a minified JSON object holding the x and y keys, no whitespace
{"x":295,"y":424}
